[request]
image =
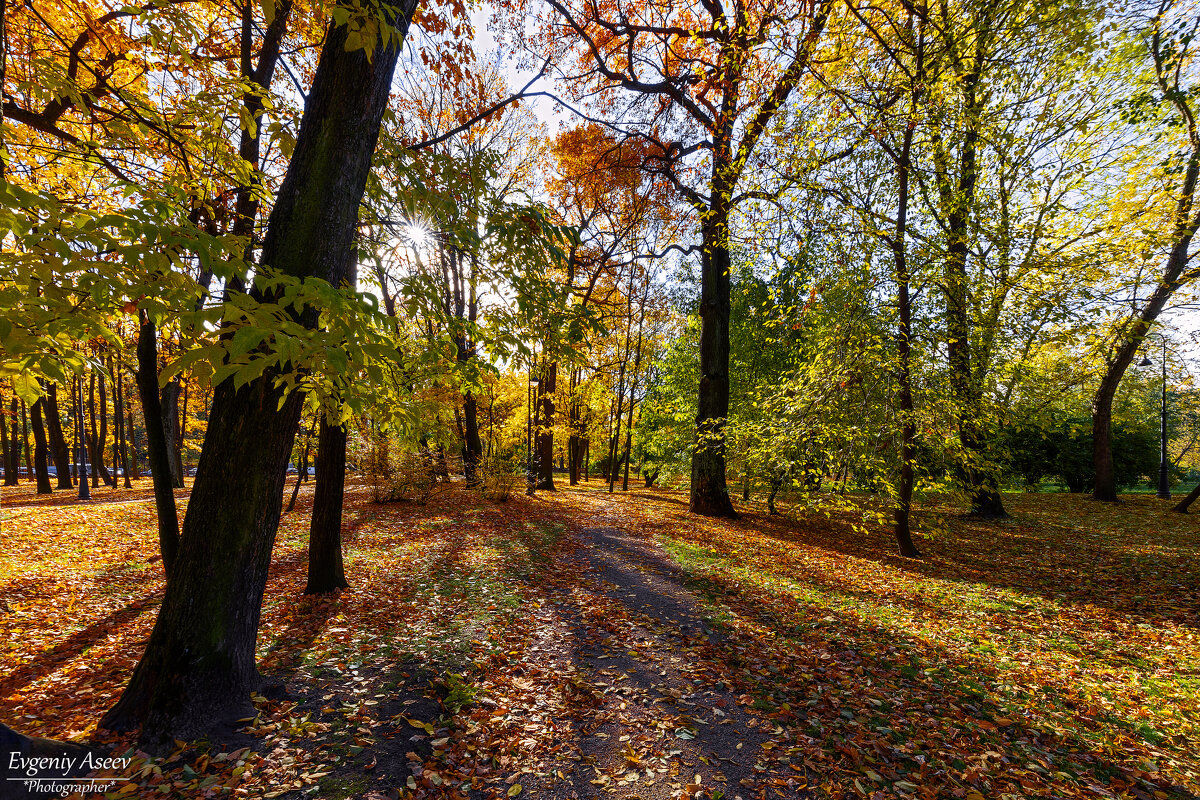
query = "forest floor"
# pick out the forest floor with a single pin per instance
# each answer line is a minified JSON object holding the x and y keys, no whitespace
{"x":580,"y":644}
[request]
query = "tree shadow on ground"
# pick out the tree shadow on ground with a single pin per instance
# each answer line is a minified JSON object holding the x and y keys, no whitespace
{"x":1135,"y":561}
{"x":866,"y":700}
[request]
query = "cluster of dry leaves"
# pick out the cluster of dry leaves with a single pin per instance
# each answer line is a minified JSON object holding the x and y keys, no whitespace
{"x":479,"y":653}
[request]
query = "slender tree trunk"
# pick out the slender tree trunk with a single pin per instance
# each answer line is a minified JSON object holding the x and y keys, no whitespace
{"x":132,"y":438}
{"x":199,"y":668}
{"x":9,"y":443}
{"x":628,"y":444}
{"x":96,"y":459}
{"x":975,"y":472}
{"x":545,"y":432}
{"x":325,"y":570}
{"x":903,"y":338}
{"x":81,"y":439}
{"x":119,"y":417}
{"x":709,"y":493}
{"x":25,"y":439}
{"x":58,"y":442}
{"x":575,"y":441}
{"x":109,"y":478}
{"x":302,"y":476}
{"x":633,"y":384}
{"x":41,"y":451}
{"x":156,"y":443}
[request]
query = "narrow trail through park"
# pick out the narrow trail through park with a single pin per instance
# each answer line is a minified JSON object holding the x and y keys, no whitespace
{"x":653,"y":716}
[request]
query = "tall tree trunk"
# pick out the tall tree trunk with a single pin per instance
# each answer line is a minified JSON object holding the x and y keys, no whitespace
{"x":977,"y":475}
{"x":903,"y":338}
{"x":574,"y":441}
{"x":41,"y":451}
{"x":545,"y":433}
{"x":94,"y":458}
{"x":58,"y":442}
{"x":109,"y":478}
{"x":472,"y":446}
{"x":9,"y":443}
{"x":132,"y":438}
{"x":199,"y":667}
{"x":81,"y":438}
{"x":633,"y":384}
{"x":119,"y":418}
{"x":25,"y":439}
{"x":156,"y":443}
{"x":709,"y":493}
{"x":325,"y":569}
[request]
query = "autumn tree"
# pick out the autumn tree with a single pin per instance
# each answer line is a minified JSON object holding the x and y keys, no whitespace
{"x":199,"y":663}
{"x":700,"y":83}
{"x":1167,"y":99}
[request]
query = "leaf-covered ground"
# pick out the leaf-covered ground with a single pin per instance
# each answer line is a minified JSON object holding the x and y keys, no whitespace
{"x":583,"y":644}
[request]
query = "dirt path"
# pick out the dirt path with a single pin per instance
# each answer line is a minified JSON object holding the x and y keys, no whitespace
{"x":650,"y":719}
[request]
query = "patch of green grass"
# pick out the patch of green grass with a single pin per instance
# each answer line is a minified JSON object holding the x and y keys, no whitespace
{"x":342,"y":788}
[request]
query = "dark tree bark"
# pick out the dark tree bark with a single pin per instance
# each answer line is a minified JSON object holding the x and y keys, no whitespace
{"x":121,"y":451}
{"x":9,"y":444}
{"x":59,"y":449}
{"x":904,"y":331}
{"x":199,"y":667}
{"x":1183,"y":505}
{"x":325,"y":569}
{"x":132,"y":438}
{"x":81,"y":438}
{"x":976,"y":476}
{"x":709,"y":492}
{"x":96,"y":459}
{"x":472,"y":445}
{"x":575,"y":444}
{"x":156,"y":443}
{"x":41,"y":451}
{"x":109,"y":478}
{"x":28,"y":451}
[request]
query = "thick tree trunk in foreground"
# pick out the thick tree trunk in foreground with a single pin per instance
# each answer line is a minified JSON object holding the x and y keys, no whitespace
{"x":156,"y":443}
{"x":41,"y":451}
{"x":199,"y":667}
{"x":325,"y":569}
{"x":709,"y":493}
{"x":58,"y":442}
